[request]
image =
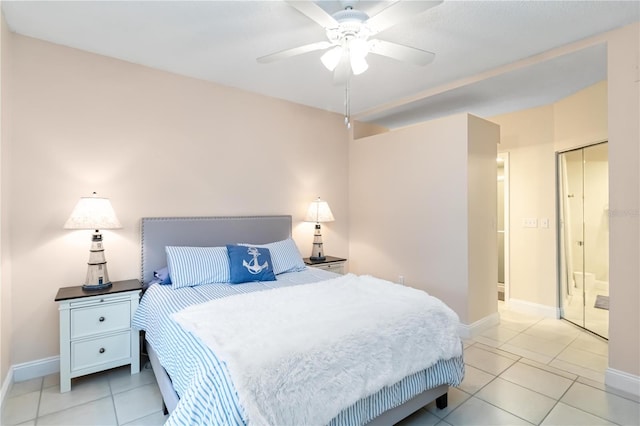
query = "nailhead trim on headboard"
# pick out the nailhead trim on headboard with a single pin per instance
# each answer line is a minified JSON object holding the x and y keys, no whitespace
{"x":158,"y":232}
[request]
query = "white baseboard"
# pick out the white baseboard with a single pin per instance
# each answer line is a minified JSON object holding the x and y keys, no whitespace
{"x":533,"y":308}
{"x":6,"y":386}
{"x":472,"y":330}
{"x":27,"y":371}
{"x":622,"y":381}
{"x":38,"y":368}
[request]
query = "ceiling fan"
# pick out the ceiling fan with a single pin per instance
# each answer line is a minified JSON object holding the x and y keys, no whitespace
{"x":349,"y":33}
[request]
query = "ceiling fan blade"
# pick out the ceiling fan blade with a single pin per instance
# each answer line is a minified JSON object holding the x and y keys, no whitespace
{"x":287,"y":53}
{"x":314,"y":12}
{"x":397,"y":12}
{"x":401,"y":52}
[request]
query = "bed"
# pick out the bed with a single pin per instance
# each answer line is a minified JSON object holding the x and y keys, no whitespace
{"x":196,"y":385}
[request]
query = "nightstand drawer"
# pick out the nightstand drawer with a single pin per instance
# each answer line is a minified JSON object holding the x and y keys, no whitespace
{"x":100,"y":319}
{"x":89,"y":353}
{"x":329,"y":263}
{"x":338,"y":268}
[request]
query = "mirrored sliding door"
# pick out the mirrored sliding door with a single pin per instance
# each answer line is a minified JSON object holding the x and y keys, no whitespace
{"x":583,"y":199}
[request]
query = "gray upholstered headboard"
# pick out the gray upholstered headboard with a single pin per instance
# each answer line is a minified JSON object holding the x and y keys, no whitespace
{"x":158,"y":232}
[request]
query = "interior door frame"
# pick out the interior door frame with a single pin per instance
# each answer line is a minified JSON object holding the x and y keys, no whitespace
{"x":507,"y":223}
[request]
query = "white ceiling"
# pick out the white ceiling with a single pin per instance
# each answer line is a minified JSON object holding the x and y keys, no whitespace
{"x":219,"y":41}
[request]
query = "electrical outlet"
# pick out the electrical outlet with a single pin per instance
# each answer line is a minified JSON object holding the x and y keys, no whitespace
{"x":544,"y":222}
{"x":401,"y":279}
{"x":530,"y":222}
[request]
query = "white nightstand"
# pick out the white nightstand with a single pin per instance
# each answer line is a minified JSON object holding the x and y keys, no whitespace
{"x":330,"y":263}
{"x":95,"y":330}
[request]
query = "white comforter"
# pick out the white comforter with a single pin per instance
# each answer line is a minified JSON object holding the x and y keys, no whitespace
{"x":300,"y":355}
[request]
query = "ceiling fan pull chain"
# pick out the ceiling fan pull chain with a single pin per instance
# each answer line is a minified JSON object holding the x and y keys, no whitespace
{"x":347,"y":105}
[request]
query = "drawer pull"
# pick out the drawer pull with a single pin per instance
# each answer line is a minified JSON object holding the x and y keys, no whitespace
{"x":101,"y":319}
{"x":101,"y":350}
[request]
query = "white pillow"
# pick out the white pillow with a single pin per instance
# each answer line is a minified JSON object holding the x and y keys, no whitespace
{"x":285,"y":256}
{"x":191,"y":266}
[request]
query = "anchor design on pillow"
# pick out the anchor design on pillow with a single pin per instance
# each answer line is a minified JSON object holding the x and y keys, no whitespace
{"x":253,"y":266}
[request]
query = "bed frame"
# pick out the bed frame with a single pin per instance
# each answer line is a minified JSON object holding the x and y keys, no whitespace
{"x":158,"y":232}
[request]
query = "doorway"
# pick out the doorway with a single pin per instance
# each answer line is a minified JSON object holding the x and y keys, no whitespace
{"x":583,"y":197}
{"x":502,"y":225}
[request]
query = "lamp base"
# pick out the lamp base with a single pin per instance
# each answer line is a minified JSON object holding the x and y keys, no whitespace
{"x":318,"y":249}
{"x":93,"y":287}
{"x":317,"y":259}
{"x":97,"y":275}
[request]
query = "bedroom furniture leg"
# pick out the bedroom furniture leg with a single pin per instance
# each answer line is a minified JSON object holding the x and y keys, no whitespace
{"x":400,"y":412}
{"x":442,"y":401}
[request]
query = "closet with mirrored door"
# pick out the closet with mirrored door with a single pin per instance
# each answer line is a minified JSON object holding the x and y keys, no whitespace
{"x":583,"y":252}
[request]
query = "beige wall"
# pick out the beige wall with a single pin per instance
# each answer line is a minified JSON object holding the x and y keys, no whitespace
{"x":5,"y":253}
{"x":528,"y":137}
{"x":482,"y":253}
{"x":156,"y":144}
{"x":605,"y":111}
{"x":624,"y":199}
{"x":581,"y":119}
{"x":410,"y":193}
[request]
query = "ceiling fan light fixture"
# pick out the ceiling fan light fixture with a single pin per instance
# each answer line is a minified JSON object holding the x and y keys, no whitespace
{"x":331,"y":58}
{"x":358,"y":64}
{"x":358,"y":47}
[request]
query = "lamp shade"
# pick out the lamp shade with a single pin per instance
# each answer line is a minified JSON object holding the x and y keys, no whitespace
{"x":93,"y":213}
{"x":319,"y":212}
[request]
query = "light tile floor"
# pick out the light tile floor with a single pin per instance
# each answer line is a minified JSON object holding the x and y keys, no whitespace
{"x":113,"y":397}
{"x":533,"y":370}
{"x":527,"y":370}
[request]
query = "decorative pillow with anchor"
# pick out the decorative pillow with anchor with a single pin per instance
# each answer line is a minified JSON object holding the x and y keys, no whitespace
{"x":248,"y":264}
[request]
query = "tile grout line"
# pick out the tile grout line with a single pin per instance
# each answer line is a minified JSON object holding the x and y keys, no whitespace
{"x":113,"y":402}
{"x":578,"y":408}
{"x":555,"y":357}
{"x":564,"y":349}
{"x":473,"y":395}
{"x":574,"y":381}
{"x":605,"y":391}
{"x":35,"y":420}
{"x":526,"y":388}
{"x":487,"y":402}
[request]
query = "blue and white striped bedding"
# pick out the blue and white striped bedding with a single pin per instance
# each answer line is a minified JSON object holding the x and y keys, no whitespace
{"x":207,"y":395}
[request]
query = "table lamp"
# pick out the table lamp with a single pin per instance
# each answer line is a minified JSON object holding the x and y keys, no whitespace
{"x":318,"y":212}
{"x":94,"y":213}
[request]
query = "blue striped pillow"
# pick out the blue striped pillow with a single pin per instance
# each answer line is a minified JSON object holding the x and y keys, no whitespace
{"x":191,"y":266}
{"x":285,"y":256}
